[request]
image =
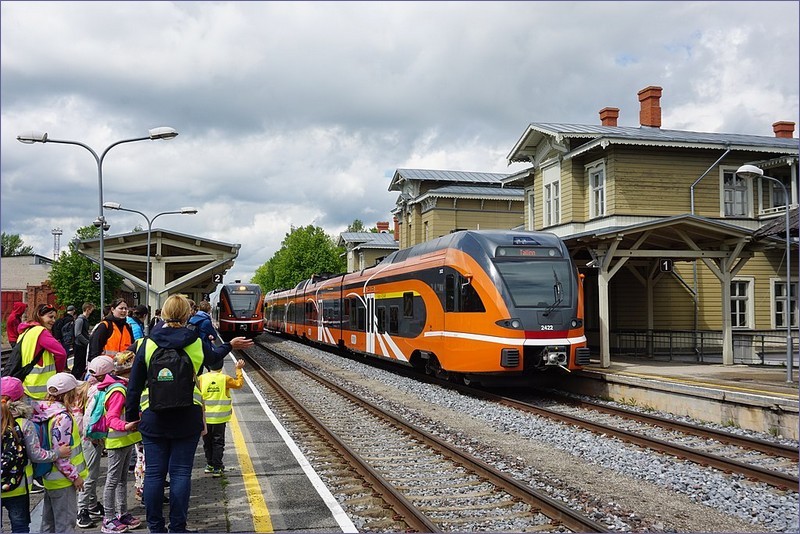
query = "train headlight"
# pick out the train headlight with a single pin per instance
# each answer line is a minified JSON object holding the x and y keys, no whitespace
{"x":512,"y":323}
{"x":576,"y":323}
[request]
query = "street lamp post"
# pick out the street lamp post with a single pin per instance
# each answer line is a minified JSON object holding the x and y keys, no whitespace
{"x":182,"y":211}
{"x":163,"y":132}
{"x":751,"y":171}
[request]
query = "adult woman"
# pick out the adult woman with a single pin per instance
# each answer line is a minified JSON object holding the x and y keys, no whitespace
{"x":113,"y":334}
{"x":170,"y":436}
{"x":35,"y":337}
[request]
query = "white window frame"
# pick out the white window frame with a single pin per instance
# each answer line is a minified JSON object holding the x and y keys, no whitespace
{"x":530,"y":195}
{"x":779,"y":303}
{"x":748,"y":300}
{"x":745,"y":186}
{"x":597,"y":193}
{"x":551,"y":194}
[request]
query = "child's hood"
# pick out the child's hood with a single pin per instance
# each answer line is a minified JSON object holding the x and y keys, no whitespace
{"x":111,"y":379}
{"x":44,"y":410}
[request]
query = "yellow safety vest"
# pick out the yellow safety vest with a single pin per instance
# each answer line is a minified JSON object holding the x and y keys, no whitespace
{"x":35,"y":383}
{"x":195,"y":353}
{"x":216,"y":397}
{"x":55,"y":479}
{"x":22,"y":489}
{"x":117,"y":439}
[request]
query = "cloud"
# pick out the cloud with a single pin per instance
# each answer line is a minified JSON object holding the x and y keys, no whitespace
{"x":295,"y":113}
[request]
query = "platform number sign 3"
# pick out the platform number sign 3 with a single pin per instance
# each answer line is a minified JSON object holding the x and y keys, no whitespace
{"x":96,"y":277}
{"x":666,"y":265}
{"x":217,"y":278}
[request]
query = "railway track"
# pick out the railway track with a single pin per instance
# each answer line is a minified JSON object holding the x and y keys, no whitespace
{"x":758,"y":460}
{"x":428,"y":484}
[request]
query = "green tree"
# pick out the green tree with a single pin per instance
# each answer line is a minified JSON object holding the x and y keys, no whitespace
{"x":71,"y":276}
{"x":12,"y":245}
{"x":304,"y":252}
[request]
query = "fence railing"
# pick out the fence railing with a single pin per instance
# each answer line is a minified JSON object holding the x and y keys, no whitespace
{"x":704,"y":346}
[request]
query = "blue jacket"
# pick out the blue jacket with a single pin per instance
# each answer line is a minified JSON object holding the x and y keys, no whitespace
{"x":169,"y":424}
{"x":202,"y":323}
{"x":136,"y":326}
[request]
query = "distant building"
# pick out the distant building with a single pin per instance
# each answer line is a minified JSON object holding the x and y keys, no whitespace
{"x":18,"y":274}
{"x":365,"y":249}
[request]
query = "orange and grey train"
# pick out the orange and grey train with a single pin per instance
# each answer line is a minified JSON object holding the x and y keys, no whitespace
{"x":470,"y":305}
{"x":239,"y":310}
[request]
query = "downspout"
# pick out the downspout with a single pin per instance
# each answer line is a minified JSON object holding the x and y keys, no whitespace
{"x":694,"y":263}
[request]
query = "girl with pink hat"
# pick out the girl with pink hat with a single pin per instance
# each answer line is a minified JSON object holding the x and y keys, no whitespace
{"x":17,"y":428}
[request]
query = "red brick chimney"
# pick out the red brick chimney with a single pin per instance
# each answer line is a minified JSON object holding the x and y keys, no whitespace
{"x":650,"y":111}
{"x":783,"y":129}
{"x":608,"y":116}
{"x":396,"y":229}
{"x":383,"y":226}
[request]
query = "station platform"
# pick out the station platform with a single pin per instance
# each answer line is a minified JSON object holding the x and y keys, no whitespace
{"x":268,"y":485}
{"x":758,"y":398}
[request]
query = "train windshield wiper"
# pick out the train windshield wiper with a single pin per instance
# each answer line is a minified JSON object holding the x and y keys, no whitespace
{"x":558,"y":294}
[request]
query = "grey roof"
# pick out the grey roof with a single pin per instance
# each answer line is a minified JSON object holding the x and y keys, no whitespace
{"x":777,"y":226}
{"x":390,"y":244}
{"x":355,"y":237}
{"x":475,"y":192}
{"x":378,"y":239}
{"x":645,"y":135}
{"x":401,"y":175}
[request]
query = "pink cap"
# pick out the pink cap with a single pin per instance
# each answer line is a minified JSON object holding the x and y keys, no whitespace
{"x":60,"y":383}
{"x":101,"y":365}
{"x":12,"y":388}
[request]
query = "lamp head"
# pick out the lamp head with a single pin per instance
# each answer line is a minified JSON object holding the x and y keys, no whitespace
{"x":163,"y":132}
{"x":30,"y":138}
{"x":112,"y":205}
{"x":749,"y":171}
{"x":189,"y":210}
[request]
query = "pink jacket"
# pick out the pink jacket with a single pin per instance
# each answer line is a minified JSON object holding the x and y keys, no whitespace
{"x":115,"y":403}
{"x":50,"y":344}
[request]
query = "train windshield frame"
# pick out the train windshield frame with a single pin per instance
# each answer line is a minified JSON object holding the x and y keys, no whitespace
{"x":537,"y":283}
{"x":244,"y":301}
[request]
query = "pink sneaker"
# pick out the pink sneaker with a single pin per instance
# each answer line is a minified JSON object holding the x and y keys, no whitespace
{"x":129,"y":520}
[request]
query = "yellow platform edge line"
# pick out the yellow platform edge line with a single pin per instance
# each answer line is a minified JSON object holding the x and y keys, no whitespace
{"x":262,"y":521}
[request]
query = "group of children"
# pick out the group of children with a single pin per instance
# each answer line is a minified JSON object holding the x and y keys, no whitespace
{"x":70,"y":484}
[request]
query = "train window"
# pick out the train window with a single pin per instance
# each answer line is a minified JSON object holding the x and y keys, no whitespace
{"x":470,"y":300}
{"x":381,"y":319}
{"x":537,"y":283}
{"x":408,"y":304}
{"x":394,"y":319}
{"x":449,"y":293}
{"x":361,"y":313}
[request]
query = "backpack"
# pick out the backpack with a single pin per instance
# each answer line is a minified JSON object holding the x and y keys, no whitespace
{"x":95,"y":416}
{"x":57,"y":326}
{"x":68,"y":333}
{"x":95,"y":419}
{"x":14,"y":458}
{"x":43,"y":433}
{"x":170,"y":379}
{"x":13,"y":365}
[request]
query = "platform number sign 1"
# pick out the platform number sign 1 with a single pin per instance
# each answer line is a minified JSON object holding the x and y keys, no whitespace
{"x":96,"y":277}
{"x":666,"y":265}
{"x":217,"y":278}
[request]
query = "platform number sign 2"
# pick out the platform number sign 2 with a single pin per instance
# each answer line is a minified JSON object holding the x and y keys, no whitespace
{"x":666,"y":265}
{"x":217,"y":278}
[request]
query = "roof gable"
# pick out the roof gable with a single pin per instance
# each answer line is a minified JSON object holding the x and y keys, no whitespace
{"x":462,"y":177}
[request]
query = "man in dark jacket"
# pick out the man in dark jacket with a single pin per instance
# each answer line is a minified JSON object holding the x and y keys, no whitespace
{"x":81,"y":341}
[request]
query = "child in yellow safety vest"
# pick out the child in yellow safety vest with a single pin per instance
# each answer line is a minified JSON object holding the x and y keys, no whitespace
{"x":215,"y":386}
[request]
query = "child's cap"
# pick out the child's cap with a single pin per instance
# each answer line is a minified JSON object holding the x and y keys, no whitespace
{"x":101,"y":365}
{"x":12,"y":388}
{"x":216,"y":366}
{"x":61,"y":383}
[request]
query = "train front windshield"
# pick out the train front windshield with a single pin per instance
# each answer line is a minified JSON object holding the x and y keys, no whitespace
{"x":243,"y":303}
{"x":537,"y":283}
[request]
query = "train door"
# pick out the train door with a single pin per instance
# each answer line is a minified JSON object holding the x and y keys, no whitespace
{"x":371,"y":319}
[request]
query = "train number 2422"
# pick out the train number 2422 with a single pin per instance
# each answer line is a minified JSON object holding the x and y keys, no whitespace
{"x":547,"y":327}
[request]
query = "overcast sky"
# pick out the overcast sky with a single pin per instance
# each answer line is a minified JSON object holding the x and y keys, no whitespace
{"x":294,"y":113}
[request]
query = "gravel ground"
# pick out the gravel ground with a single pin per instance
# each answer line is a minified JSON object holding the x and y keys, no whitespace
{"x":644,"y":491}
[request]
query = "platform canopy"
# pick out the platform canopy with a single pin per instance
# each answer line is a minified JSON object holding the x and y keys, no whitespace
{"x":179,"y":263}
